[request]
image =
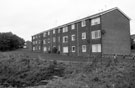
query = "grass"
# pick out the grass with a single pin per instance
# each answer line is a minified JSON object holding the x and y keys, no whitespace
{"x":47,"y":56}
{"x":76,"y":72}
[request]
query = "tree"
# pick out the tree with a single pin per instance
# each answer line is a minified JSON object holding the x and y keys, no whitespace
{"x":10,"y":41}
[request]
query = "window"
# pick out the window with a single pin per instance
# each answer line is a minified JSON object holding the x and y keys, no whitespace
{"x":73,"y":48}
{"x":44,"y":34}
{"x":59,"y":39}
{"x":34,"y":49}
{"x":54,"y":39}
{"x":59,"y":48}
{"x":48,"y":32}
{"x":49,"y":48}
{"x":83,"y":23}
{"x":59,"y":30}
{"x":45,"y":49}
{"x":48,"y":40}
{"x":44,"y":41}
{"x":33,"y":42}
{"x":95,"y":21}
{"x":96,"y":48}
{"x":84,"y":35}
{"x":39,"y":47}
{"x":65,"y":49}
{"x":96,"y":34}
{"x":73,"y":26}
{"x":65,"y":39}
{"x":65,"y":29}
{"x":39,"y":42}
{"x":73,"y":37}
{"x":83,"y":48}
{"x":54,"y":31}
{"x":33,"y":37}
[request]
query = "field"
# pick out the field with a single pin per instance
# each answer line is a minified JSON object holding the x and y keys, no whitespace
{"x":25,"y":69}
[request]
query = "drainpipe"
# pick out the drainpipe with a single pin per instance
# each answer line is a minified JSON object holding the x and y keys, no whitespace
{"x":77,"y":41}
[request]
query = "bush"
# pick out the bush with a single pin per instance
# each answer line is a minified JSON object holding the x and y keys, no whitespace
{"x":54,"y":50}
{"x":23,"y":71}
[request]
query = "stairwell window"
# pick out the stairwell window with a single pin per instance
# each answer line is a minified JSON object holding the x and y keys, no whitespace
{"x":54,"y":39}
{"x":48,"y":32}
{"x":48,"y":40}
{"x":44,"y":41}
{"x":84,"y":35}
{"x":95,"y":21}
{"x":73,"y":49}
{"x":59,"y":39}
{"x":96,"y":34}
{"x":54,"y":31}
{"x":34,"y":49}
{"x":83,"y":23}
{"x":83,"y":48}
{"x":44,"y":34}
{"x":59,"y":30}
{"x":96,"y":48}
{"x":73,"y":37}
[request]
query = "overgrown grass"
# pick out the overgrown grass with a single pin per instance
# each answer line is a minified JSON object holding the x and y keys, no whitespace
{"x":21,"y":70}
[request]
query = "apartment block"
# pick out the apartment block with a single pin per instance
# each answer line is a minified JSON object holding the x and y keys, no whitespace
{"x":107,"y":32}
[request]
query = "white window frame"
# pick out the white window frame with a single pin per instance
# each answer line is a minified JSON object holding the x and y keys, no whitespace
{"x":83,"y":23}
{"x":44,"y":34}
{"x":44,"y":41}
{"x":84,"y":35}
{"x":65,"y":49}
{"x":73,"y":37}
{"x":73,"y":48}
{"x":65,"y":29}
{"x":45,"y":49}
{"x":33,"y":37}
{"x":48,"y":40}
{"x":64,"y":39}
{"x":34,"y":48}
{"x":84,"y":47}
{"x":73,"y":26}
{"x":96,"y":34}
{"x":59,"y":30}
{"x":49,"y":48}
{"x":95,"y":21}
{"x":53,"y":31}
{"x":54,"y":39}
{"x":58,"y":47}
{"x":48,"y":32}
{"x":96,"y":48}
{"x":59,"y":39}
{"x":39,"y":47}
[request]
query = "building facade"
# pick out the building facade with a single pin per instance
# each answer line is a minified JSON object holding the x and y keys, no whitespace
{"x":107,"y":32}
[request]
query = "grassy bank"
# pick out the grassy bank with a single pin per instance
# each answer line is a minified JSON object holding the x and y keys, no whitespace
{"x":23,"y":70}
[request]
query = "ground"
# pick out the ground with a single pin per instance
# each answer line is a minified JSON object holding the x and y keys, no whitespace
{"x":66,"y":71}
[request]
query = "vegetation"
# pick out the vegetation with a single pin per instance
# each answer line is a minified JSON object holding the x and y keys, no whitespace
{"x":9,"y":41}
{"x":21,"y":70}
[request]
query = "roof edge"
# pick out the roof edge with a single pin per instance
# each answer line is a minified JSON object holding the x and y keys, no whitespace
{"x":88,"y":17}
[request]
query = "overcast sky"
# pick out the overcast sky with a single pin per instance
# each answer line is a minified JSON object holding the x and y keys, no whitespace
{"x":28,"y":17}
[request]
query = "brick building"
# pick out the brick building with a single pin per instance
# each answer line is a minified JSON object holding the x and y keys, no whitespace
{"x":107,"y":32}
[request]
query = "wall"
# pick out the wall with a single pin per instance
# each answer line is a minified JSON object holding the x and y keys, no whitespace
{"x":116,"y":39}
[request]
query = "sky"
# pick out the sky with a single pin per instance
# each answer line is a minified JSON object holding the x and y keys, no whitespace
{"x":29,"y":17}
